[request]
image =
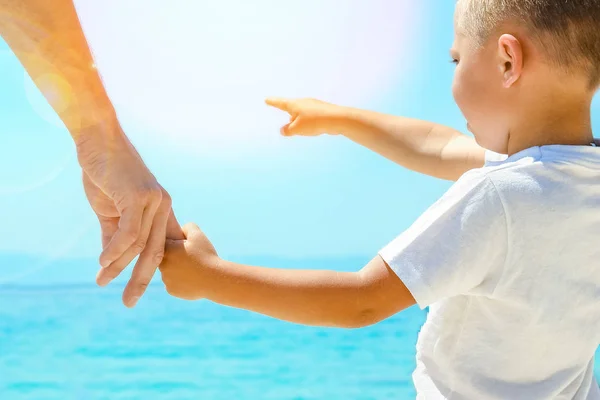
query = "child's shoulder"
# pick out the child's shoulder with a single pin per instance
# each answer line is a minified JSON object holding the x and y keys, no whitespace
{"x":504,"y":177}
{"x":539,"y":179}
{"x":538,"y":174}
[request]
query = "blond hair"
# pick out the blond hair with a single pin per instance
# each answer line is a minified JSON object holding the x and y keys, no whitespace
{"x":567,"y":31}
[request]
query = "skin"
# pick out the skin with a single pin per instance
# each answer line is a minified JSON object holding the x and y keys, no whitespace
{"x":421,"y":146}
{"x":512,"y":101}
{"x":192,"y":270}
{"x":134,"y":211}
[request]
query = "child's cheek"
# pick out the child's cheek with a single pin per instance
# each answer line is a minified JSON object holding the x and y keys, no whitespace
{"x":458,"y":91}
{"x":456,"y":88}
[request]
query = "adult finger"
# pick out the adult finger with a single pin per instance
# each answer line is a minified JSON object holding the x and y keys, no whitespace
{"x":174,"y":231}
{"x":130,"y":224}
{"x":108,"y":228}
{"x":114,"y":269}
{"x":173,"y":248}
{"x":151,"y":256}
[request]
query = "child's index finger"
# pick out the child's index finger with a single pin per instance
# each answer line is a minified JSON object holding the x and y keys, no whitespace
{"x":278,"y":102}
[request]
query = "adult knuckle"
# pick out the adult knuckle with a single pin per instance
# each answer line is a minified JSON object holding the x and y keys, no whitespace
{"x":157,"y":257}
{"x":130,"y":238}
{"x":146,"y":193}
{"x":166,"y":200}
{"x":155,"y":194}
{"x":139,"y":246}
{"x":130,"y":234}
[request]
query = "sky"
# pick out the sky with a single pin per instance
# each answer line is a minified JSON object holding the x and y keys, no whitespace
{"x":188,"y":81}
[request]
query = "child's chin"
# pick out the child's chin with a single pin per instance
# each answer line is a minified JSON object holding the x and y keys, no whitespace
{"x":490,"y":145}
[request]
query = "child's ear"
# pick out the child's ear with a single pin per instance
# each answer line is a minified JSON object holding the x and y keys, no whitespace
{"x":510,"y":52}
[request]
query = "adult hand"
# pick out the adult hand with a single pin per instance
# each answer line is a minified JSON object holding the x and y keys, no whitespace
{"x":134,"y":211}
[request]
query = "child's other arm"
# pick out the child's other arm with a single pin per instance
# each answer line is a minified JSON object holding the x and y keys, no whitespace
{"x":192,"y":270}
{"x":421,"y":146}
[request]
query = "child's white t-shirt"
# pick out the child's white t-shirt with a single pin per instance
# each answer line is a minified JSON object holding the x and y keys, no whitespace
{"x":508,"y":262}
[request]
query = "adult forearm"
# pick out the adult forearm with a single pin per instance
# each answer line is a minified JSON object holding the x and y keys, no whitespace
{"x":47,"y":38}
{"x":321,"y":298}
{"x":421,"y":146}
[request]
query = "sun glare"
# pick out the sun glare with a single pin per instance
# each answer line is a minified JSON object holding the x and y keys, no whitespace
{"x":197,"y":72}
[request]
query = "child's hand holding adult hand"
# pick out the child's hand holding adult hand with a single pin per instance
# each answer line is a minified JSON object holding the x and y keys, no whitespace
{"x":309,"y":117}
{"x":187,"y":263}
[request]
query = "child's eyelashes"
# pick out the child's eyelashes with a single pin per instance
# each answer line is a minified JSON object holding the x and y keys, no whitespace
{"x":454,"y":61}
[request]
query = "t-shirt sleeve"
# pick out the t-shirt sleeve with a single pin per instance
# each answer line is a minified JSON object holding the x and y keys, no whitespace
{"x":454,"y":245}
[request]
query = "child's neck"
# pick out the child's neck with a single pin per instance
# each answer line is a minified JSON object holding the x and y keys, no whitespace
{"x":556,"y":118}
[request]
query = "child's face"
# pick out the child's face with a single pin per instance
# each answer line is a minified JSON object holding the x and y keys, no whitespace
{"x":479,"y":92}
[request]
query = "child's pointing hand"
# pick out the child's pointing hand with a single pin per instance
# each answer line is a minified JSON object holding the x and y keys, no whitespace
{"x":309,"y":117}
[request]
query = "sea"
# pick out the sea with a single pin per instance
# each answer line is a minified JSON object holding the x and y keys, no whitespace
{"x":79,"y":342}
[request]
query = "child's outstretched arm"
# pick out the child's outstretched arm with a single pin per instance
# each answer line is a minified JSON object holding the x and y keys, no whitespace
{"x":192,"y":270}
{"x":421,"y":146}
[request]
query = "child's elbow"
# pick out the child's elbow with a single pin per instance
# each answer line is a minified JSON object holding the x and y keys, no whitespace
{"x":363,"y":318}
{"x":377,"y":295}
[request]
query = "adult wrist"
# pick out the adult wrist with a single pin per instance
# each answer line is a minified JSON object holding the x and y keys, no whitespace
{"x":97,"y":137}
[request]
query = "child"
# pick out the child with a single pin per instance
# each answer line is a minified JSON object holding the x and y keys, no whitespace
{"x":507,"y":260}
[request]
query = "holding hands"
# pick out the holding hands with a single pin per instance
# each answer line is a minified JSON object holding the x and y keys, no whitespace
{"x":188,"y":263}
{"x":134,"y":211}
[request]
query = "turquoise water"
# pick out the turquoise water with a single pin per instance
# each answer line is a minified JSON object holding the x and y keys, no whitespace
{"x":79,"y":342}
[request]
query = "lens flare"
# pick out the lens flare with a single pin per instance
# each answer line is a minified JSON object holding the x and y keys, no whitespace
{"x":196,"y":73}
{"x":48,"y":89}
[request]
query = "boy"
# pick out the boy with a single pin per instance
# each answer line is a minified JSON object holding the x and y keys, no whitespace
{"x":507,"y":259}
